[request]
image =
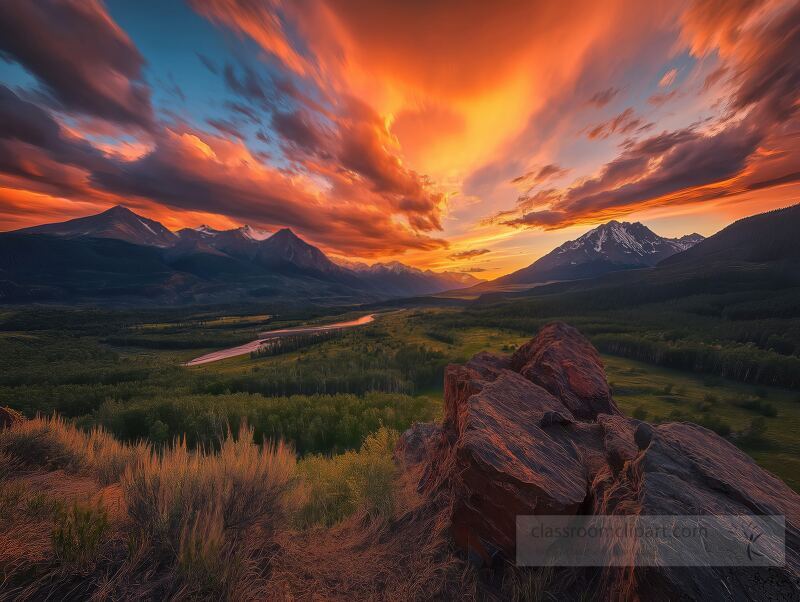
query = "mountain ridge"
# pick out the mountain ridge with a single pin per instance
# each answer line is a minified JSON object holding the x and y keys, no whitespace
{"x":609,"y":247}
{"x":246,"y":256}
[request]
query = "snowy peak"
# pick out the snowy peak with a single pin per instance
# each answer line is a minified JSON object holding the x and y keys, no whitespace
{"x":612,"y":246}
{"x":206,"y":230}
{"x":688,"y":241}
{"x":254,"y":233}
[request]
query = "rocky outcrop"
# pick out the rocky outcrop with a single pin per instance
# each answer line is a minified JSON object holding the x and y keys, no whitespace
{"x":562,"y":361}
{"x":538,"y":433}
{"x":9,"y":417}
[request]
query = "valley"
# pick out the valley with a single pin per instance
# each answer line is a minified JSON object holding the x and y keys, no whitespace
{"x":132,"y":373}
{"x":327,"y":411}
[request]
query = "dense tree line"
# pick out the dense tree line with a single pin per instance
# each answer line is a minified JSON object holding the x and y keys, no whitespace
{"x":314,"y":424}
{"x":743,"y":363}
{"x":287,"y":344}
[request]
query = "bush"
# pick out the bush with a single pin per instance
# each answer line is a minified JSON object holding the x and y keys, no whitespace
{"x":338,"y":486}
{"x":761,"y":407}
{"x":755,"y":433}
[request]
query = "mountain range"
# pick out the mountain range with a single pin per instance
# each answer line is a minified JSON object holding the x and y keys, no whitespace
{"x":611,"y":247}
{"x":118,"y":253}
{"x":120,"y":256}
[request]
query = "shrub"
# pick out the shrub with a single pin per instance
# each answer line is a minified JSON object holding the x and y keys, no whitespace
{"x":756,"y":405}
{"x":755,"y":433}
{"x":340,"y":485}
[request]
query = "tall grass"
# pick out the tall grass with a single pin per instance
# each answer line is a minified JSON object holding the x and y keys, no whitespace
{"x":209,"y":515}
{"x":51,"y":443}
{"x":189,"y":523}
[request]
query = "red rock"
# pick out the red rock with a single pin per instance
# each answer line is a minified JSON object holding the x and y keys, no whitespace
{"x":540,"y":434}
{"x":562,"y":361}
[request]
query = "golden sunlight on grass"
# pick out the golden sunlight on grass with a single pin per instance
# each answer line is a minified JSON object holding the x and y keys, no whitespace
{"x":82,"y":512}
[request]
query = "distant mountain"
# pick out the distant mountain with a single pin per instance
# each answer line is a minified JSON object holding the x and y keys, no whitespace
{"x":757,"y":257}
{"x":120,"y":254}
{"x":611,"y":247}
{"x":767,"y":237}
{"x":238,"y":242}
{"x":118,"y":222}
{"x":397,"y":279}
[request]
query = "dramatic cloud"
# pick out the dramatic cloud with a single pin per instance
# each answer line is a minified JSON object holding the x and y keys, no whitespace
{"x":469,"y":254}
{"x":660,"y":99}
{"x":540,"y":175}
{"x":383,"y":129}
{"x":625,"y":123}
{"x":35,"y":149}
{"x":693,"y":165}
{"x":83,"y":60}
{"x":668,"y":78}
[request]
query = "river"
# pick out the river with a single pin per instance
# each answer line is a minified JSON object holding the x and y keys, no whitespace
{"x":245,"y":349}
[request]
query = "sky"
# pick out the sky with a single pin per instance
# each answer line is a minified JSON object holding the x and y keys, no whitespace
{"x":452,"y":135}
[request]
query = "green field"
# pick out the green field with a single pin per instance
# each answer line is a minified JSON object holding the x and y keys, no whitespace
{"x":123,"y":370}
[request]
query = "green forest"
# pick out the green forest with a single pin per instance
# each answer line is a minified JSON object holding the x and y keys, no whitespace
{"x":730,"y":362}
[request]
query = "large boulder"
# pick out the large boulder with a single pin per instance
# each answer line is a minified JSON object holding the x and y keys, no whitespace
{"x":538,"y":433}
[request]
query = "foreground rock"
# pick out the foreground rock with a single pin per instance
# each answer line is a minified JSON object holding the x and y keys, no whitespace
{"x":9,"y":418}
{"x":539,"y":434}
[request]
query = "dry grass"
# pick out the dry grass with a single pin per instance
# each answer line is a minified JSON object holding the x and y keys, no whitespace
{"x":52,"y":443}
{"x":209,"y":517}
{"x":403,"y":556}
{"x":85,"y":517}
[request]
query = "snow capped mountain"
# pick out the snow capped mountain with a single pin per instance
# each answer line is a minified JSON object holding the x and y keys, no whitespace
{"x":254,"y":233}
{"x":610,"y":247}
{"x":246,"y":231}
{"x":688,"y":241}
{"x":203,"y":230}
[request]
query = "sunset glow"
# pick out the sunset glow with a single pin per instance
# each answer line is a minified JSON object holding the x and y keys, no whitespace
{"x":467,"y":136}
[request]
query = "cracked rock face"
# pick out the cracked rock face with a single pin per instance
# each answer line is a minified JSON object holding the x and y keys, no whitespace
{"x":538,"y":433}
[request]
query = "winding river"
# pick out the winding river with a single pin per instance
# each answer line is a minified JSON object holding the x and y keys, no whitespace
{"x":215,"y":356}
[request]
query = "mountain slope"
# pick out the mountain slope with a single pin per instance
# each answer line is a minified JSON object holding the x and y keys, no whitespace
{"x":119,"y":223}
{"x":766,"y":237}
{"x":611,"y":247}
